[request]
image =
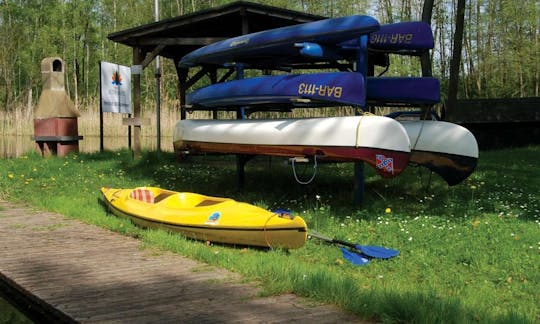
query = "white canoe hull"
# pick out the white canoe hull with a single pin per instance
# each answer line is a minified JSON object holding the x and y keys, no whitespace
{"x":447,"y":149}
{"x":380,"y":141}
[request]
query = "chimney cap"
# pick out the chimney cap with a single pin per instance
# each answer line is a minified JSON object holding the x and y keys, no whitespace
{"x":52,"y":64}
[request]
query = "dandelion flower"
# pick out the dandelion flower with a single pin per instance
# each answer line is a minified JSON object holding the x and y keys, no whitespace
{"x":388,"y":210}
{"x":10,"y":175}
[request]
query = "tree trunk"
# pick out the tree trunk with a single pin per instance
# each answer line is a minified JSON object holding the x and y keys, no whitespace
{"x":388,"y":9}
{"x":479,"y":46}
{"x":29,"y":109}
{"x":425,"y":59}
{"x":456,"y":55}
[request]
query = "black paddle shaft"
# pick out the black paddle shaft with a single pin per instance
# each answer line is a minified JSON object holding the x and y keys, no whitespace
{"x":331,"y":240}
{"x":377,"y":252}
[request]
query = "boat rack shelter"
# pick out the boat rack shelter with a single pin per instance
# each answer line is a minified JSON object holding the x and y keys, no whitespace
{"x":175,"y":37}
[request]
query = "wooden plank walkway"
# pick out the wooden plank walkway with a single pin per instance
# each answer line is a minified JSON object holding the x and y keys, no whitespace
{"x":73,"y":272}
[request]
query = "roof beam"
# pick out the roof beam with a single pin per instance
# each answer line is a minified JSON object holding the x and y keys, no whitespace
{"x":179,"y":41}
{"x":152,"y":56}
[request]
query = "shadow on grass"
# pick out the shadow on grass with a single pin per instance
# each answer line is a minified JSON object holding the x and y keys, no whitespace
{"x":269,"y":181}
{"x":387,"y":306}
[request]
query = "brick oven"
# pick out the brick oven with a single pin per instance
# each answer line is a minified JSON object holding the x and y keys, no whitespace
{"x":55,"y":119}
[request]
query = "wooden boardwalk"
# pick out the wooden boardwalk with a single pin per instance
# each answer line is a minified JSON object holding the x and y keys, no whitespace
{"x":68,"y":271}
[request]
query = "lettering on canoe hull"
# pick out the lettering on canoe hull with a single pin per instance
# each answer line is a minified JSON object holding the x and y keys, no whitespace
{"x":320,"y":90}
{"x":396,"y":38}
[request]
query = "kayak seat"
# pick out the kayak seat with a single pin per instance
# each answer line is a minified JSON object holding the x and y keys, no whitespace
{"x":143,"y":195}
{"x":162,"y":196}
{"x":187,"y":200}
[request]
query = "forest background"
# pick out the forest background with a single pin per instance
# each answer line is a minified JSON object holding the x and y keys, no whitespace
{"x":499,"y":57}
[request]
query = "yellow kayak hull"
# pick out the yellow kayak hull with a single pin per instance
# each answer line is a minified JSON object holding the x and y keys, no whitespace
{"x":206,"y":218}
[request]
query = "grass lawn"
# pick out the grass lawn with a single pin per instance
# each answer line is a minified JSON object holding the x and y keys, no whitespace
{"x":468,"y":253}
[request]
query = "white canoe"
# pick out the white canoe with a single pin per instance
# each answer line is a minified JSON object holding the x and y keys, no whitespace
{"x":447,"y":149}
{"x":380,"y":141}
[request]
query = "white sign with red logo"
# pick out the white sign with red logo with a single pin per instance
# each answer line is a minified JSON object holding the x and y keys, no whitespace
{"x":115,"y":88}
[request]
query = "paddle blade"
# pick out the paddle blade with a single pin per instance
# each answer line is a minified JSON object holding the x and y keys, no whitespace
{"x":353,"y":257}
{"x":377,"y":252}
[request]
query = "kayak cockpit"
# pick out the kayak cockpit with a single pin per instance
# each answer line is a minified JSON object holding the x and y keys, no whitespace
{"x":172,"y":199}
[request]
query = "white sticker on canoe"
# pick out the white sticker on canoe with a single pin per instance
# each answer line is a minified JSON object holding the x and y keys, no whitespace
{"x":213,"y":219}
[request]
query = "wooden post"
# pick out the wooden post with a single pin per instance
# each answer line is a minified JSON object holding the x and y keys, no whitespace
{"x":136,"y":71}
{"x":361,"y":67}
{"x":213,"y":80}
{"x":101,"y":146}
{"x":158,"y":104}
{"x":182,"y":88}
{"x":359,"y":180}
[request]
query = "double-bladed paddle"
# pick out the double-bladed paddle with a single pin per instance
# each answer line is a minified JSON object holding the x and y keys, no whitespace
{"x":365,"y":252}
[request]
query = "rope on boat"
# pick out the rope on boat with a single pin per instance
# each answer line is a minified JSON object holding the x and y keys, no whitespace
{"x":428,"y":185}
{"x":312,"y":177}
{"x":419,"y":134}
{"x":265,"y":230}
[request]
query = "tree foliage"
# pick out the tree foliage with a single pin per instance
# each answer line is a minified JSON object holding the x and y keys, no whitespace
{"x":499,"y":57}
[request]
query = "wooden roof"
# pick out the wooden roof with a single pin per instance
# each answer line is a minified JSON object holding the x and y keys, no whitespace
{"x":175,"y":37}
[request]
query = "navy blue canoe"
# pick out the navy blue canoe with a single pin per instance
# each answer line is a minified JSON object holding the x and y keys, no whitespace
{"x":283,"y":42}
{"x":411,"y":37}
{"x":317,"y":89}
{"x":403,"y":90}
{"x":330,"y":88}
{"x":329,"y":39}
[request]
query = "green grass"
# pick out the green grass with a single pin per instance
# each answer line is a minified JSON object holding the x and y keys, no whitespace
{"x":10,"y":315}
{"x":469,"y":253}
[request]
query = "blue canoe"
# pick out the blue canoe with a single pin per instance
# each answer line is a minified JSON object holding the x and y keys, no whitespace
{"x":403,"y":90}
{"x":280,"y":42}
{"x":331,"y":88}
{"x":408,"y":38}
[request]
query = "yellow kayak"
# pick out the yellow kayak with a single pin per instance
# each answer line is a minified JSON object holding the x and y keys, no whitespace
{"x":205,"y":218}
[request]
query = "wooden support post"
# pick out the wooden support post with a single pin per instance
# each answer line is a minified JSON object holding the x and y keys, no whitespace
{"x":136,"y":71}
{"x":361,"y":67}
{"x":101,"y":146}
{"x":158,"y":104}
{"x":182,"y":88}
{"x":213,"y":80}
{"x":240,"y":171}
{"x":241,"y":160}
{"x":358,"y":183}
{"x":240,"y":112}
